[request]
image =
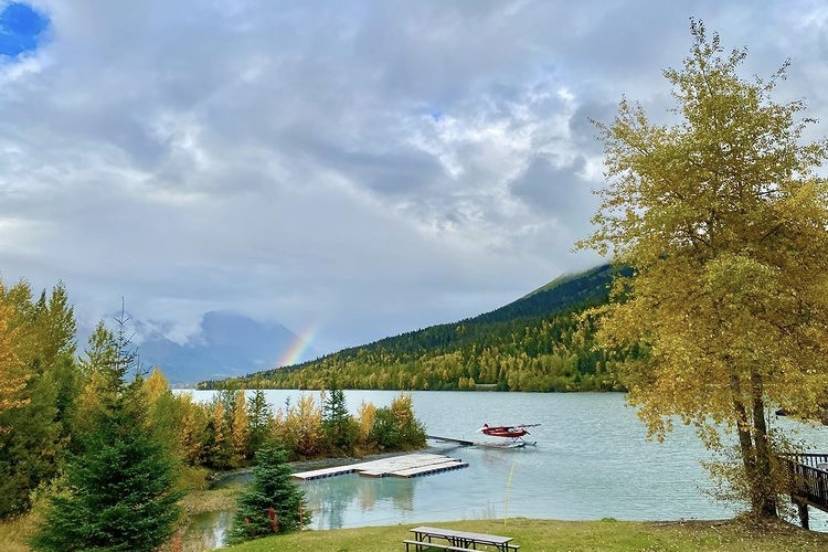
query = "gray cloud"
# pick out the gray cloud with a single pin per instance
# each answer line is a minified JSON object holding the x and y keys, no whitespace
{"x":361,"y":167}
{"x":559,"y":191}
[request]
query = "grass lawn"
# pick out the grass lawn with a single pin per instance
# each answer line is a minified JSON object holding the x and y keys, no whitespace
{"x":565,"y":536}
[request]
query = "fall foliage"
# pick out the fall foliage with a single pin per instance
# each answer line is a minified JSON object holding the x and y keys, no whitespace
{"x":724,"y":222}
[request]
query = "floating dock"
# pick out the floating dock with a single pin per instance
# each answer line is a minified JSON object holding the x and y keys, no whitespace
{"x":490,"y":444}
{"x":410,"y":465}
{"x":461,"y":442}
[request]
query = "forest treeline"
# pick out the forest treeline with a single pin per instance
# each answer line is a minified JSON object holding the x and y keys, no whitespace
{"x":538,"y":343}
{"x":65,"y":413}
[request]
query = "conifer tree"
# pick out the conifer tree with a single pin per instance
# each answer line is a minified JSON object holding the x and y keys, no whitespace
{"x":119,"y":490}
{"x":340,"y":429}
{"x":273,"y":503}
{"x":260,"y":416}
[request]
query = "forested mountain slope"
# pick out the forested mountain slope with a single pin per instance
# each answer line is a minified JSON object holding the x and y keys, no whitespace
{"x":532,"y":344}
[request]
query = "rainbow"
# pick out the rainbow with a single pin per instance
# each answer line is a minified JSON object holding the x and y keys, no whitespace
{"x":294,"y":352}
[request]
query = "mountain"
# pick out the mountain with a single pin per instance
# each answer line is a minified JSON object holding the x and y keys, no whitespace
{"x":228,"y":345}
{"x":535,"y":343}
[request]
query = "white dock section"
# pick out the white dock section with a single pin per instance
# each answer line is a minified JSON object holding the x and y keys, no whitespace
{"x":410,"y":465}
{"x":433,"y":468}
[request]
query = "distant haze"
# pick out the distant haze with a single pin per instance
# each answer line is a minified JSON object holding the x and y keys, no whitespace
{"x":226,"y":344}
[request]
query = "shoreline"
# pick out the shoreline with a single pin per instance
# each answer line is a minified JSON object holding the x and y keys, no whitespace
{"x":492,"y":391}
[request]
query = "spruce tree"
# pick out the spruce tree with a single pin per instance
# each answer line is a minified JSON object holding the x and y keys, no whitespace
{"x":119,"y":489}
{"x":273,"y":503}
{"x":217,"y":447}
{"x":261,"y":416}
{"x":340,"y":429}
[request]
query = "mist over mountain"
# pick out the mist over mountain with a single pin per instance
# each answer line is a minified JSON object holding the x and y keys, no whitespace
{"x":228,"y":344}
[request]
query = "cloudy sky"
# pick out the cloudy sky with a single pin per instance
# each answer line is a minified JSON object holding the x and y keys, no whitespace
{"x":353,"y":168}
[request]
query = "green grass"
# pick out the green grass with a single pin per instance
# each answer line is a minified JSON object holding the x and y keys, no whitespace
{"x":564,"y":536}
{"x":532,"y":535}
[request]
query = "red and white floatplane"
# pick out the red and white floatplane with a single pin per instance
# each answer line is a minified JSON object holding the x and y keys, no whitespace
{"x":515,"y":435}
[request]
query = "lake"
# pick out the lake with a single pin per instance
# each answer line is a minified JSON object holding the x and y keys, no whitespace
{"x":592,"y":461}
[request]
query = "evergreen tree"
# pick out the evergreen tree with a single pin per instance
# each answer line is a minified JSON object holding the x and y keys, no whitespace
{"x":56,"y":343}
{"x":384,"y":431}
{"x":218,"y":449}
{"x":260,"y":417}
{"x":119,"y":490}
{"x":337,"y":423}
{"x":99,"y":379}
{"x":273,"y":503}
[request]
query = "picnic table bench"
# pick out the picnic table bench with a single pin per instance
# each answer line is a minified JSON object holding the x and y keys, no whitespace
{"x":456,"y":540}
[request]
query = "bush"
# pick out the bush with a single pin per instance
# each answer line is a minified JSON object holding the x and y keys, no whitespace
{"x":395,"y":427}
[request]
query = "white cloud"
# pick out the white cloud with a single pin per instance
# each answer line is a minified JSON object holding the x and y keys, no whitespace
{"x":354,"y":165}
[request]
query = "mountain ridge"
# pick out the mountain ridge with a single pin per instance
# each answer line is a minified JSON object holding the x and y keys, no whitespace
{"x":537,"y":331}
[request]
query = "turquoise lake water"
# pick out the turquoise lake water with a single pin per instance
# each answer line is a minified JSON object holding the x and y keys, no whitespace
{"x":592,"y":460}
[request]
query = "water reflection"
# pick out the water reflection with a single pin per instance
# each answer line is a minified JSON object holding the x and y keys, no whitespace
{"x":207,"y":531}
{"x":331,"y":499}
{"x":592,"y":461}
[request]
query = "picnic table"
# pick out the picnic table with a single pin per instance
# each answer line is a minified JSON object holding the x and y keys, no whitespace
{"x":457,"y":540}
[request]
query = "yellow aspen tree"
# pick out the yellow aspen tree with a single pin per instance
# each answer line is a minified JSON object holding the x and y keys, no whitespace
{"x":723,"y":221}
{"x":303,"y":426}
{"x":193,"y":422}
{"x":155,"y":385}
{"x":13,"y":376}
{"x":365,"y":417}
{"x":241,"y":429}
{"x":221,"y":452}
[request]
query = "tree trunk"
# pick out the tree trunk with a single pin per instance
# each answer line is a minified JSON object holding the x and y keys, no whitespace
{"x":745,"y":442}
{"x":764,"y":483}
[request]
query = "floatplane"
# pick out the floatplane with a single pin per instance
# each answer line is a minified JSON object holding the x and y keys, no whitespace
{"x":515,"y":434}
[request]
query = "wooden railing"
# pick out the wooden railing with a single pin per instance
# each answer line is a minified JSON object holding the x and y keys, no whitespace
{"x":807,"y":480}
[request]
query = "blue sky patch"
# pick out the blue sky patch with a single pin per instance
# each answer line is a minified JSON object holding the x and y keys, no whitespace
{"x":20,"y":28}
